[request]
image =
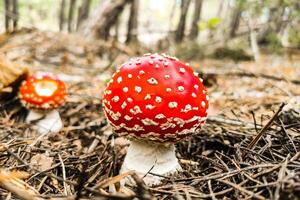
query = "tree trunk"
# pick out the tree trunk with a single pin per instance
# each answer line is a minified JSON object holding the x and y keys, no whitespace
{"x":117,"y":25}
{"x":133,"y":22}
{"x":253,"y":40}
{"x":62,"y":15}
{"x":7,"y":4}
{"x":15,"y":11}
{"x":172,"y":13}
{"x":197,"y":13}
{"x":83,"y":12}
{"x":179,"y":35}
{"x":100,"y":23}
{"x":71,"y":15}
{"x":235,"y":19}
{"x":274,"y":23}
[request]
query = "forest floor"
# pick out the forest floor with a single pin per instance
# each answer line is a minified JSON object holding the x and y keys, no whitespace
{"x":219,"y":162}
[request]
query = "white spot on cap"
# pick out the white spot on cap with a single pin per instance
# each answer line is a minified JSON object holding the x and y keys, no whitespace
{"x":166,"y":63}
{"x":182,"y":70}
{"x":129,"y":75}
{"x":179,"y":121}
{"x":196,"y":73}
{"x":158,"y":99}
{"x":149,"y":106}
{"x":167,"y":76}
{"x":148,"y":96}
{"x":119,"y":80}
{"x":142,"y":72}
{"x":156,"y":66}
{"x":149,"y":122}
{"x":167,"y":125}
{"x":207,"y":97}
{"x":138,"y":62}
{"x":151,"y":62}
{"x":124,"y":104}
{"x":125,"y":89}
{"x":128,"y":118}
{"x":107,"y":91}
{"x":196,"y":87}
{"x":137,"y":127}
{"x":173,"y":104}
{"x":115,"y":99}
{"x":194,"y":95}
{"x":204,"y":91}
{"x":203,"y":104}
{"x":168,"y":89}
{"x":115,"y":116}
{"x":160,"y":116}
{"x":138,"y":89}
{"x":129,"y":99}
{"x":135,"y":110}
{"x":187,"y":108}
{"x":201,"y":80}
{"x":181,"y":88}
{"x":152,"y":81}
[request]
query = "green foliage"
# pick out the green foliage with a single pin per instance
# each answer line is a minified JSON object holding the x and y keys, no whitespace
{"x":236,"y":54}
{"x":213,"y":22}
{"x":273,"y":43}
{"x":210,"y":24}
{"x":294,"y":37}
{"x":106,"y":81}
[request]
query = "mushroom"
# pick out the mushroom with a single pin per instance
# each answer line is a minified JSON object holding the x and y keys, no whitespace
{"x":155,"y":101}
{"x":42,"y":93}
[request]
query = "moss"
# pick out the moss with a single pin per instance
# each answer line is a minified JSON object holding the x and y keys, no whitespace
{"x":237,"y":54}
{"x":274,"y":44}
{"x":294,"y":38}
{"x":189,"y":51}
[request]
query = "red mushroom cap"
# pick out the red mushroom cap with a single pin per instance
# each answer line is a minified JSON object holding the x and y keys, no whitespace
{"x":42,"y":91}
{"x":155,"y":97}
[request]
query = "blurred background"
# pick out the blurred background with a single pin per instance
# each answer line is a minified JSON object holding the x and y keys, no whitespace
{"x":246,"y":51}
{"x":237,"y":24}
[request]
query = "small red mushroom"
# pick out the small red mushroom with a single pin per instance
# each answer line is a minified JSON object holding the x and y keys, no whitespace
{"x":42,"y":93}
{"x":155,"y":100}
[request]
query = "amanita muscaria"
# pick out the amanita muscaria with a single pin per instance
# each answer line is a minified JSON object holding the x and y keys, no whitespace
{"x":155,"y":101}
{"x":42,"y":93}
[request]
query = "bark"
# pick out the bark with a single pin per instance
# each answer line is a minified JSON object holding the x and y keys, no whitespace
{"x":253,"y":39}
{"x":100,"y":23}
{"x":7,"y":4}
{"x":83,"y":12}
{"x":133,"y":22}
{"x":62,"y":15}
{"x":172,"y":13}
{"x":117,"y":25}
{"x":223,"y":15}
{"x":15,"y":11}
{"x":197,"y":13}
{"x":71,"y":15}
{"x":235,"y":19}
{"x":274,"y":23}
{"x":182,"y":21}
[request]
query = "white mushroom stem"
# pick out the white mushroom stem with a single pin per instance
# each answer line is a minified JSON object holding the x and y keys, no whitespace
{"x":157,"y":158}
{"x":45,"y":121}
